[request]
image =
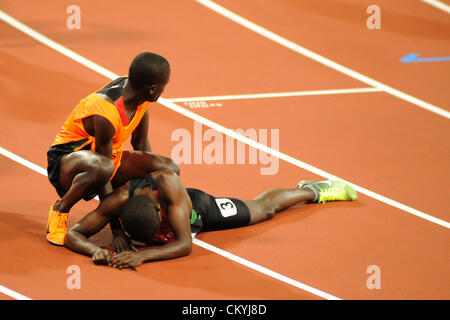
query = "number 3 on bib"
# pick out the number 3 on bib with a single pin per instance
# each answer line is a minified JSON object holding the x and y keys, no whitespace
{"x":226,"y":207}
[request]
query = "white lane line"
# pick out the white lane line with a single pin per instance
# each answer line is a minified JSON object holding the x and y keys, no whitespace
{"x":95,"y":67}
{"x":173,"y":106}
{"x":277,"y":94}
{"x":23,"y":161}
{"x":438,"y":4}
{"x":321,"y":59}
{"x":265,"y":271}
{"x":299,"y":163}
{"x":56,"y":46}
{"x":13,"y":294}
{"x":37,"y":169}
{"x":203,"y":244}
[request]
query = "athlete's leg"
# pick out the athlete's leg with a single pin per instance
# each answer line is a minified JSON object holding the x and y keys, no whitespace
{"x":264,"y":206}
{"x":137,"y":164}
{"x":82,"y":173}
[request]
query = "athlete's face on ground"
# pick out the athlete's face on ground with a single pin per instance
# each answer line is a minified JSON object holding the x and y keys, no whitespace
{"x":147,"y":191}
{"x":157,"y":207}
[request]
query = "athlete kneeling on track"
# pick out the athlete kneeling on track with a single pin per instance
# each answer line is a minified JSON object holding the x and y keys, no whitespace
{"x":158,"y":210}
{"x":87,"y":157}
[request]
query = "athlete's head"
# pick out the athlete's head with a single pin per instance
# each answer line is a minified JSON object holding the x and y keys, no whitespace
{"x":141,"y":218}
{"x":150,"y":73}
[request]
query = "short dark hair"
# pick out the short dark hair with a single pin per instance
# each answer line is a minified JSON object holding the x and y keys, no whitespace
{"x":140,"y":218}
{"x":147,"y":69}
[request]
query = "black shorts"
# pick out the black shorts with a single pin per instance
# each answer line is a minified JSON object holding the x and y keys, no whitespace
{"x":54,"y":156}
{"x":218,"y":213}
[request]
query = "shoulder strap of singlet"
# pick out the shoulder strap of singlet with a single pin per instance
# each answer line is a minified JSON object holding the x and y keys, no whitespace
{"x":141,"y":183}
{"x":113,"y":89}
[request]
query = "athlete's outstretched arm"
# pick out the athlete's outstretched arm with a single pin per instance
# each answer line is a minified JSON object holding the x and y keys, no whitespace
{"x":77,"y":237}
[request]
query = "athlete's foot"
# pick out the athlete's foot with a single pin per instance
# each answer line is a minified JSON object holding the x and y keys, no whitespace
{"x":330,"y":190}
{"x":56,"y":226}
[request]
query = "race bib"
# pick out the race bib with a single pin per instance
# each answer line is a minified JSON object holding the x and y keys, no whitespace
{"x":226,"y":207}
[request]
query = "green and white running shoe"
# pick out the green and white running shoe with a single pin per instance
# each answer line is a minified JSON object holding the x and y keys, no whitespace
{"x":329,"y":190}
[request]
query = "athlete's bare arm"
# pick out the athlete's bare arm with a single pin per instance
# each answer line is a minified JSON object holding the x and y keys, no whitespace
{"x":77,"y":237}
{"x":103,"y":131}
{"x":139,"y":137}
{"x":176,"y":202}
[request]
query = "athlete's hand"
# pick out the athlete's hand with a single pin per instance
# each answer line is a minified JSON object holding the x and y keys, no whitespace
{"x":120,"y":244}
{"x":102,"y":256}
{"x":127,"y":259}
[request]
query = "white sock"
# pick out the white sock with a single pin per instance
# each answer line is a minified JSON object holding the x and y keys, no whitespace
{"x":314,"y":189}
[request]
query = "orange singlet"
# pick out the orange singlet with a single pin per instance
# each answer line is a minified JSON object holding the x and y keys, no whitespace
{"x":73,"y":131}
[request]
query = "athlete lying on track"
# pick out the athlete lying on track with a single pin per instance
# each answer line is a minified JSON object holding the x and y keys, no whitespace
{"x":87,"y":156}
{"x":158,"y":209}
